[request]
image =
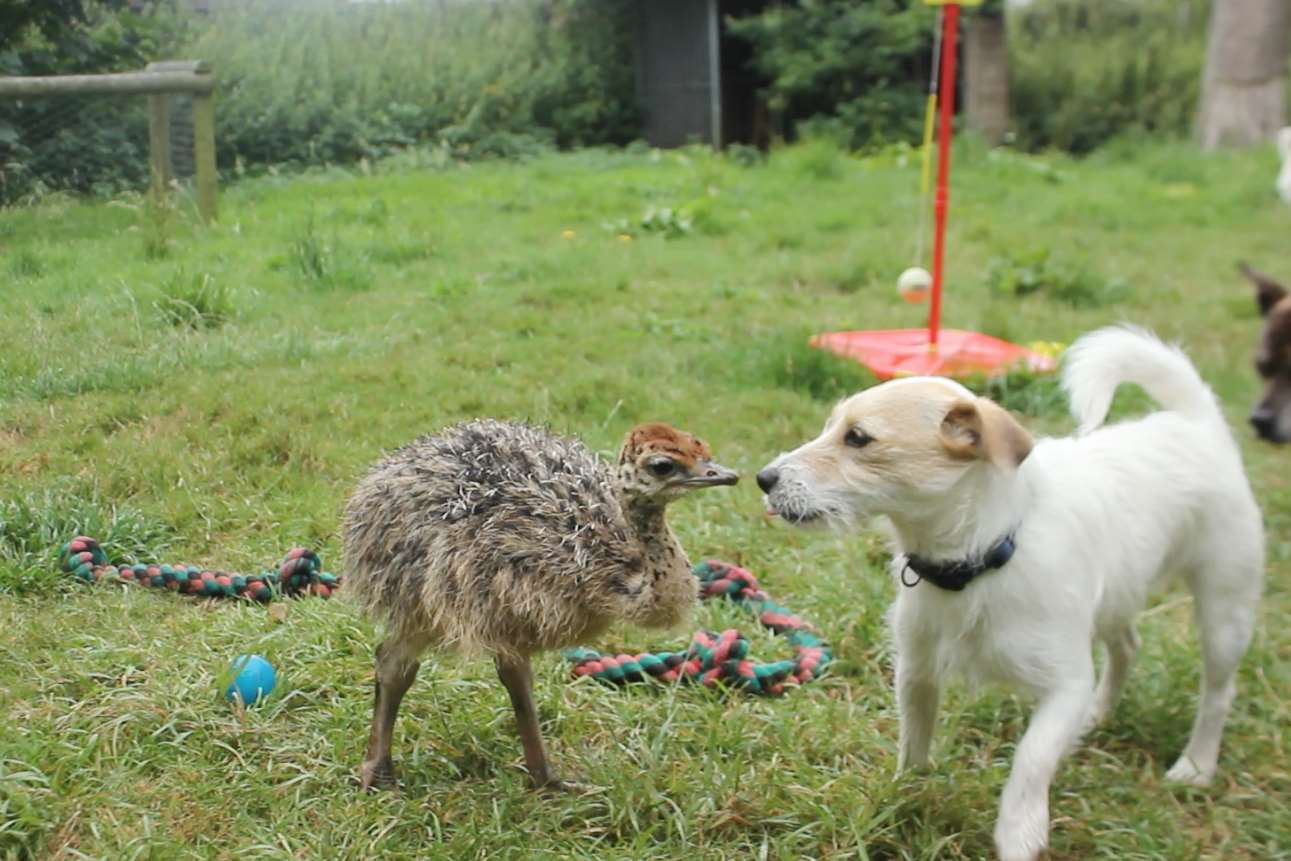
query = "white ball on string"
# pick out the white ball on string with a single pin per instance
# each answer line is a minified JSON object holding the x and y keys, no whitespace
{"x":914,"y":284}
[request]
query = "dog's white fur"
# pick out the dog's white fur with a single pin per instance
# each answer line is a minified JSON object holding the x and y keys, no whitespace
{"x":1101,"y":518}
{"x":1284,"y":175}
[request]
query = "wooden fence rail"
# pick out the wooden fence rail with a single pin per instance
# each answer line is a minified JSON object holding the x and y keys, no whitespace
{"x":158,"y":81}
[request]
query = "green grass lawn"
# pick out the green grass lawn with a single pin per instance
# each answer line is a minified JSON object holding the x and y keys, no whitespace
{"x":211,"y":395}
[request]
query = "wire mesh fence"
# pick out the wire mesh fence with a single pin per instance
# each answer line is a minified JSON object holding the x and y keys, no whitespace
{"x":85,"y":144}
{"x":182,"y":164}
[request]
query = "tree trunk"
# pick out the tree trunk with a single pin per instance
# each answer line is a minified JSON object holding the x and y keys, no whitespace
{"x":1243,"y":97}
{"x":986,"y":76}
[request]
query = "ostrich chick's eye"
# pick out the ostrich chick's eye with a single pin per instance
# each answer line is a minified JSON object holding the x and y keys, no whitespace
{"x":857,"y":438}
{"x":662,"y":468}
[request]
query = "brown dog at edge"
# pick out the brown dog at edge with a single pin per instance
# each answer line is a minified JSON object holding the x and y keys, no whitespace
{"x":1271,"y":417}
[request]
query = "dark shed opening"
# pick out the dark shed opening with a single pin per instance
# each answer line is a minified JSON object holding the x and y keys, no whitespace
{"x":694,"y":80}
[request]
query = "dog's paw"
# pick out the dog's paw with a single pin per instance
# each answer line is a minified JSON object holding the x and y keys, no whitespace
{"x":1022,"y":836}
{"x":1097,"y":715}
{"x":1019,"y":850}
{"x":1187,"y":771}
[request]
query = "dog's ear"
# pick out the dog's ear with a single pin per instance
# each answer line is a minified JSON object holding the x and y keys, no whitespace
{"x":980,"y":429}
{"x":1267,"y":291}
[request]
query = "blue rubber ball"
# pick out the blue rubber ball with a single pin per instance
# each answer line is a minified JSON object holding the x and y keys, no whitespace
{"x":253,"y":679}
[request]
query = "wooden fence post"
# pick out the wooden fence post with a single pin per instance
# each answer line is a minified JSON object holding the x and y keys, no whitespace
{"x":159,"y":145}
{"x":203,"y":133}
{"x":204,"y":154}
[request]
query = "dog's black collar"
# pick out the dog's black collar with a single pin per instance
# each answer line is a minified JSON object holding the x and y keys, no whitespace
{"x":955,"y":575}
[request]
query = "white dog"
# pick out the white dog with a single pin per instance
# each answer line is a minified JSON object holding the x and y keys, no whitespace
{"x":1018,"y":556}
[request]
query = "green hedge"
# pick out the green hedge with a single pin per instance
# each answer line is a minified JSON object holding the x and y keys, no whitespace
{"x":304,"y":82}
{"x":857,"y":67}
{"x":318,"y":81}
{"x":1085,"y":71}
{"x":1081,"y":71}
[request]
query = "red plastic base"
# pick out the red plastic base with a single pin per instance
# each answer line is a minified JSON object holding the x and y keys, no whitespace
{"x":906,"y":352}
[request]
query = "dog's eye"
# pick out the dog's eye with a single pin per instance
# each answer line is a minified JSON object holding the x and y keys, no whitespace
{"x":857,"y":438}
{"x":663,"y":468}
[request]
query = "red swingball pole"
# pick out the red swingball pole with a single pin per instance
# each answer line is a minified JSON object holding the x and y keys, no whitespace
{"x":933,"y":350}
{"x":941,"y":200}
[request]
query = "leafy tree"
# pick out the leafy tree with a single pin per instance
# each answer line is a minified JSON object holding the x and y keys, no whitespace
{"x":56,"y":20}
{"x":59,"y":37}
{"x":864,"y":65}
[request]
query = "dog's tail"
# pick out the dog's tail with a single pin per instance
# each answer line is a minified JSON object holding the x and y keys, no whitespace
{"x":1099,"y":362}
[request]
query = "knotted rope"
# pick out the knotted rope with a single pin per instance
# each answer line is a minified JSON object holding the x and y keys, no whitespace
{"x":712,"y":658}
{"x":720,"y":658}
{"x":300,"y":573}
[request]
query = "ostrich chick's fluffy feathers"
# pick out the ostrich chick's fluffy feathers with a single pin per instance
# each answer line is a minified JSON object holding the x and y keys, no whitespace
{"x":502,"y":538}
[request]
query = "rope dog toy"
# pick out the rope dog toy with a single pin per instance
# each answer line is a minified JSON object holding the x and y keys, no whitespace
{"x":300,"y":573}
{"x":714,"y":658}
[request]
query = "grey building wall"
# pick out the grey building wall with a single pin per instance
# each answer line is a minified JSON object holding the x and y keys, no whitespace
{"x":678,"y":71}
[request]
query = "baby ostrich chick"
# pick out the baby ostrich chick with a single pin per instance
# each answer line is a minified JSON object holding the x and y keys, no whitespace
{"x":502,"y":539}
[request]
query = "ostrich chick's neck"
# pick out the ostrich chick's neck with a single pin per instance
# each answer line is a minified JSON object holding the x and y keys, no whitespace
{"x":662,"y":551}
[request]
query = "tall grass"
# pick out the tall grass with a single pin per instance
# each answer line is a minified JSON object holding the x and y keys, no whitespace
{"x":333,"y":81}
{"x":195,"y":302}
{"x":326,"y":263}
{"x":1084,"y":72}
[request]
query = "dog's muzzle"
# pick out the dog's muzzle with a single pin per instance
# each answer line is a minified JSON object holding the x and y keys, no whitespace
{"x":768,"y":478}
{"x":787,"y":498}
{"x":1265,"y":420}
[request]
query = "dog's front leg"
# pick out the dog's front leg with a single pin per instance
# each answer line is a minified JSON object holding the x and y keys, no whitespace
{"x":1022,"y":830}
{"x":918,"y":695}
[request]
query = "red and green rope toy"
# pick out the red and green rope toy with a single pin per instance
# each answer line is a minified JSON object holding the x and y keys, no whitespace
{"x":300,"y":573}
{"x":712,"y":658}
{"x":720,"y":658}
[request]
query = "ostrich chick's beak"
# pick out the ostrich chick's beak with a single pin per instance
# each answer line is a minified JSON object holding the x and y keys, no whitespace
{"x":709,"y":474}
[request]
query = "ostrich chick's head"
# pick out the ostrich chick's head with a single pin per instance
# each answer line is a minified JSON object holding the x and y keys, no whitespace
{"x":659,"y":462}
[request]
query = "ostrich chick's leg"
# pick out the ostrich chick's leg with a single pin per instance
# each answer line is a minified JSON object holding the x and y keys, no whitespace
{"x":396,"y":670}
{"x":517,"y":676}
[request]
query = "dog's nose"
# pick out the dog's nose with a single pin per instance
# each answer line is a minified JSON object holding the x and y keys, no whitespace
{"x":767,"y":479}
{"x":1262,"y":419}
